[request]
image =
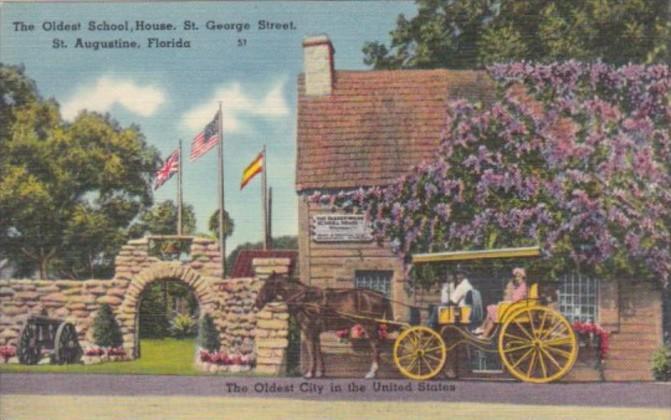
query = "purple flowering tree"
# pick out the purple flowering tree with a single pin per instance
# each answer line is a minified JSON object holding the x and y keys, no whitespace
{"x":573,"y":157}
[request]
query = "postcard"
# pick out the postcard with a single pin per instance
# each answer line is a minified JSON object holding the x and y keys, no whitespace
{"x":335,"y":209}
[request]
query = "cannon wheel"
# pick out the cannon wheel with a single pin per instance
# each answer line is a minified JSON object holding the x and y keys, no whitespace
{"x":537,"y":344}
{"x":29,"y":351}
{"x":66,"y":347}
{"x":420,"y":353}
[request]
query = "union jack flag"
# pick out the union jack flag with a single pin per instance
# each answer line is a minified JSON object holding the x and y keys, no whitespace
{"x":206,"y":139}
{"x":170,"y":167}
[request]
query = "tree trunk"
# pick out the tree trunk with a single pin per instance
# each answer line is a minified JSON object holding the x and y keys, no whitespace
{"x":43,"y":267}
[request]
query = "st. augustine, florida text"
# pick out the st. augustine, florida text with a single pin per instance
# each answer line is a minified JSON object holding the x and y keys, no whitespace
{"x":120,"y":43}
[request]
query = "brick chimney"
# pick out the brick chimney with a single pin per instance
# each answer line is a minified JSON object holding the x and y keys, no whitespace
{"x":318,"y":65}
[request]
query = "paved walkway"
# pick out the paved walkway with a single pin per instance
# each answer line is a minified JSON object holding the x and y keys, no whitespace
{"x":654,"y":395}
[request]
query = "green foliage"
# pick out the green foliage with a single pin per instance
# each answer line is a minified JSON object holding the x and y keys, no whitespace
{"x":68,"y":191}
{"x":213,"y":224}
{"x":472,"y":33}
{"x":106,"y":331}
{"x":161,"y":219}
{"x":208,"y":335}
{"x":154,"y":321}
{"x":159,"y":300}
{"x":182,"y":326}
{"x":281,"y":242}
{"x":661,"y":363}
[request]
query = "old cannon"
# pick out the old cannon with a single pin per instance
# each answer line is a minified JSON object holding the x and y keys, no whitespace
{"x":57,"y":337}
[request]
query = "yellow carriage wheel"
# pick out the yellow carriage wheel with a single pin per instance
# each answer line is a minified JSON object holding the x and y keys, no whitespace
{"x":537,"y":345}
{"x":420,"y":353}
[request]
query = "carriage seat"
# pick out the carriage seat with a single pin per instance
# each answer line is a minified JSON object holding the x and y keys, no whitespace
{"x":505,"y":309}
{"x":445,"y":314}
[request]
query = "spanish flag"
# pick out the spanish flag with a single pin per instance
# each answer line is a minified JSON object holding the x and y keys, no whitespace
{"x":250,"y":171}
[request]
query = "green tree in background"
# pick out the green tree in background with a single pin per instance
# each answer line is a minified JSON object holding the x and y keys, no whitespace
{"x":463,"y":34}
{"x":161,"y":302}
{"x":68,"y":191}
{"x":161,"y":219}
{"x":213,"y":224}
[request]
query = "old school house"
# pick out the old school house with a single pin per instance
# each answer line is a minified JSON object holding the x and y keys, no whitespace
{"x":366,"y":128}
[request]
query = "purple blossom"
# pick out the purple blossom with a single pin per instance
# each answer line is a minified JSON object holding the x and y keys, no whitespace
{"x":579,"y":160}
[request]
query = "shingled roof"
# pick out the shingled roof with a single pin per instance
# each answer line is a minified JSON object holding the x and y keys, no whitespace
{"x":376,"y":125}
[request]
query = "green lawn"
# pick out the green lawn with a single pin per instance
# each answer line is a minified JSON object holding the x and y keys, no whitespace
{"x":159,"y":357}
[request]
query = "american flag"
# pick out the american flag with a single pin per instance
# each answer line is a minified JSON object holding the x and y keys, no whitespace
{"x":170,"y":167}
{"x":206,"y":139}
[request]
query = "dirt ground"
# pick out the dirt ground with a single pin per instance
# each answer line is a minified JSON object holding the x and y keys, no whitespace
{"x":152,"y":407}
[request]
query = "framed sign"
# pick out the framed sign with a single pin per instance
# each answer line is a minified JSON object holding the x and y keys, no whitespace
{"x":340,"y":228}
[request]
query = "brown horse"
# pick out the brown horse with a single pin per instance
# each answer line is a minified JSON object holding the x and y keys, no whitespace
{"x":317,"y":310}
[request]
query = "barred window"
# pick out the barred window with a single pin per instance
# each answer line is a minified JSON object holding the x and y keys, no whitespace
{"x":578,"y":297}
{"x":379,"y":281}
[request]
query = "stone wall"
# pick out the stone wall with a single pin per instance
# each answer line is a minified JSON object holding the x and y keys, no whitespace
{"x":229,"y":301}
{"x":73,"y":301}
{"x":203,"y":256}
{"x":272,"y":332}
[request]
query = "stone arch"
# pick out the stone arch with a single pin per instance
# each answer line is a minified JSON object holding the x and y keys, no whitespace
{"x":128,"y":311}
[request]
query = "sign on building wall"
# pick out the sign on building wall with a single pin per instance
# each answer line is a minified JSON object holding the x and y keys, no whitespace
{"x":340,"y":228}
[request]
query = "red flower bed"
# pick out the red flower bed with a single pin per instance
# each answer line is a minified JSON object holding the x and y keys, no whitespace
{"x":221,"y":358}
{"x":116,"y":351}
{"x":7,"y":352}
{"x":357,"y":332}
{"x":113,"y":351}
{"x":96,"y":351}
{"x":589,"y":328}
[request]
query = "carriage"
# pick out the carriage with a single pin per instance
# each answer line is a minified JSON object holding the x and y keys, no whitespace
{"x":535,"y":342}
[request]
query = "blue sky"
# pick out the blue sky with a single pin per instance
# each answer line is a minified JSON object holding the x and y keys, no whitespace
{"x":171,"y":93}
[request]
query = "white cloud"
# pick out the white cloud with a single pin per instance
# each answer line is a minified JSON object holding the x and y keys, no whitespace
{"x":106,"y":92}
{"x":236,"y":103}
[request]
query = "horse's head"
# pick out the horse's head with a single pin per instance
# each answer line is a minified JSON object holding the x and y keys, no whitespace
{"x":269,"y":291}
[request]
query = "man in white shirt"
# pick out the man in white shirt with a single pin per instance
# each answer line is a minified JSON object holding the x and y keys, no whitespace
{"x":455,"y":294}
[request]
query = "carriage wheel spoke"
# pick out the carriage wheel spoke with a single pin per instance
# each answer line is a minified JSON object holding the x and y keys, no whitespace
{"x":427,"y":364}
{"x":554,"y":328}
{"x":540,"y":330}
{"x":405,"y":356}
{"x":542,"y":363}
{"x":411,"y":365}
{"x":522,"y":347}
{"x":432,"y":349}
{"x":524,"y":330}
{"x":523,"y":357}
{"x":558,"y":341}
{"x":551,"y":357}
{"x":559,"y":352}
{"x":429,"y":356}
{"x":516,"y":337}
{"x":531,"y":323}
{"x":429,"y":342}
{"x":532,"y":363}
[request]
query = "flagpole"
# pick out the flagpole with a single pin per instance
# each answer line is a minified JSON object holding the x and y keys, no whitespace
{"x":222,"y":242}
{"x":264,"y":199}
{"x":270,"y":217}
{"x":179,"y":191}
